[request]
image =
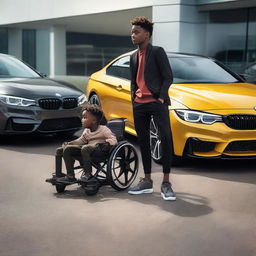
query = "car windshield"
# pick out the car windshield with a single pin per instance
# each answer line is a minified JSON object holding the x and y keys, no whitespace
{"x":11,"y":67}
{"x":198,"y":70}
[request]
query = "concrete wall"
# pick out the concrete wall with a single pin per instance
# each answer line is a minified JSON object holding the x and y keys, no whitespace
{"x":43,"y":51}
{"x":179,"y":27}
{"x":15,"y":42}
{"x":33,"y":10}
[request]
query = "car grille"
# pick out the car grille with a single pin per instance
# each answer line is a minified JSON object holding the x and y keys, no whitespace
{"x":241,"y":146}
{"x":241,"y":122}
{"x":50,"y":103}
{"x":54,"y":103}
{"x":60,"y":124}
{"x":69,"y":103}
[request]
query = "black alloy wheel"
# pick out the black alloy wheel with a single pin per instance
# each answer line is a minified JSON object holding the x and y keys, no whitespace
{"x":94,"y":99}
{"x":156,"y":147}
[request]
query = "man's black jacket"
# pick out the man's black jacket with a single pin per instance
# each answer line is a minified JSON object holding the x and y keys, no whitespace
{"x":157,"y":74}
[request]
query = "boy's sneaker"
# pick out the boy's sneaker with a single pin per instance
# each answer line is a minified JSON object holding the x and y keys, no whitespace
{"x":85,"y":178}
{"x":145,"y":186}
{"x":54,"y":178}
{"x":167,"y":192}
{"x":66,"y":180}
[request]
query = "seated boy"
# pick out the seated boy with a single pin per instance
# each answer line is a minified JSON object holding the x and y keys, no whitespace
{"x":84,"y":146}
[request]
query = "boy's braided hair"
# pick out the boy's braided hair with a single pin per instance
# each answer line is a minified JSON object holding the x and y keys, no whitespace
{"x":95,"y":110}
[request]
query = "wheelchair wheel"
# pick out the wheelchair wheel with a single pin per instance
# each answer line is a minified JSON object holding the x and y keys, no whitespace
{"x":60,"y":188}
{"x":122,"y":167}
{"x":91,"y":186}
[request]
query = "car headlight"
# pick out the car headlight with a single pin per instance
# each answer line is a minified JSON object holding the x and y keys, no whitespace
{"x":198,"y":117}
{"x":81,"y":100}
{"x":17,"y":101}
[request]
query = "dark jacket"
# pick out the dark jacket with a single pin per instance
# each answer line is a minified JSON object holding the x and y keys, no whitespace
{"x":157,"y":74}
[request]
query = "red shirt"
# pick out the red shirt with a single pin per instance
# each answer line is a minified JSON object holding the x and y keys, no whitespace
{"x":143,"y":95}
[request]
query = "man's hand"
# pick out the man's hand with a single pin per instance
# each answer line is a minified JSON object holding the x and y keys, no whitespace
{"x":161,"y":100}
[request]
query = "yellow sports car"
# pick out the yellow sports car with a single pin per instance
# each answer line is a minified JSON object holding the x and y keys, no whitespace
{"x":212,"y":112}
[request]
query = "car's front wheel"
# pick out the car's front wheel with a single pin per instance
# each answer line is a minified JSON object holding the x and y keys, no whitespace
{"x":156,"y":147}
{"x":94,"y":99}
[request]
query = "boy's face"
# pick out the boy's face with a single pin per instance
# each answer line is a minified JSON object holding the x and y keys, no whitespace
{"x":88,"y":120}
{"x":139,"y":35}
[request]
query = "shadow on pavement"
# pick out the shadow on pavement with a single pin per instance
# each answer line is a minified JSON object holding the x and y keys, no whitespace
{"x":186,"y":205}
{"x":231,"y":170}
{"x":35,"y":143}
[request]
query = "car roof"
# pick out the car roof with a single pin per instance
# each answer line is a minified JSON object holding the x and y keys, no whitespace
{"x":7,"y":55}
{"x":184,"y":55}
{"x":173,"y":54}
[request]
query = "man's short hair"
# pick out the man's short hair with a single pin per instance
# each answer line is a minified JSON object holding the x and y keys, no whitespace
{"x":95,"y":110}
{"x":144,"y":23}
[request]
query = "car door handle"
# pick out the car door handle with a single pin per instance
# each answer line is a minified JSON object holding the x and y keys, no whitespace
{"x":119,"y":87}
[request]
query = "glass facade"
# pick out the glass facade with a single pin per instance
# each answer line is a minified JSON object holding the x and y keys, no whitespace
{"x":3,"y":40}
{"x":29,"y":47}
{"x":88,"y":53}
{"x":231,"y":37}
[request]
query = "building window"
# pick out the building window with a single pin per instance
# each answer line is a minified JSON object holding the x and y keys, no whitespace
{"x":29,"y":47}
{"x":3,"y":40}
{"x":88,"y":53}
{"x":231,"y":37}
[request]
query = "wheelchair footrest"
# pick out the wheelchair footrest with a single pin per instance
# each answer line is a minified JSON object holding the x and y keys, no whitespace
{"x":54,"y":181}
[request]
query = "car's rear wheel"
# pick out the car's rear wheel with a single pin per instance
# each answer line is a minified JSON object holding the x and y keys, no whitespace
{"x":156,"y":148}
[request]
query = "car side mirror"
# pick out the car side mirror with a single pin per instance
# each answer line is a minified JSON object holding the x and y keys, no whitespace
{"x":43,"y":74}
{"x":242,"y":76}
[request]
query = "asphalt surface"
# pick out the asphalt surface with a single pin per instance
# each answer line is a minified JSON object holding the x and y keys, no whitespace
{"x":215,"y":211}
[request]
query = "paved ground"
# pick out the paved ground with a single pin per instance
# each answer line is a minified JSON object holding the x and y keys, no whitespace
{"x":215,"y":213}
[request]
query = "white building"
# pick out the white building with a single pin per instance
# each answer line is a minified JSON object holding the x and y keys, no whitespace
{"x":60,"y":37}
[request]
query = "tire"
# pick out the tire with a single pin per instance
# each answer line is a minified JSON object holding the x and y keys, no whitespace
{"x":60,"y":188}
{"x":156,"y":148}
{"x":94,"y":99}
{"x":91,"y":186}
{"x":122,"y":167}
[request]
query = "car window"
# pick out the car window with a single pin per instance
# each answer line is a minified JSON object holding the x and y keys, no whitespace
{"x":199,"y":70}
{"x":120,"y":68}
{"x":11,"y":67}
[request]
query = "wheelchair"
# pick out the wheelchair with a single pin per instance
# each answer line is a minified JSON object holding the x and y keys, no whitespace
{"x":117,"y":168}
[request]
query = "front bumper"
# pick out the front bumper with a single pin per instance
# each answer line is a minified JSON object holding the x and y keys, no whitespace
{"x":23,"y":120}
{"x":211,"y":141}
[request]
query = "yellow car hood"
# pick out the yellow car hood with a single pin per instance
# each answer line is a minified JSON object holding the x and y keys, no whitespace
{"x":215,"y":96}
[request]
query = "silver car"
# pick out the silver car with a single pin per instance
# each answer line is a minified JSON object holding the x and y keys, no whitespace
{"x":30,"y":102}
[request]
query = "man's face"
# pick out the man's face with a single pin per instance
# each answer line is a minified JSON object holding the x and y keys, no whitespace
{"x":139,"y":35}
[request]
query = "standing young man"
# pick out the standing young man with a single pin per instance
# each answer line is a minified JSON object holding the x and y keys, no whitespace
{"x":151,"y":77}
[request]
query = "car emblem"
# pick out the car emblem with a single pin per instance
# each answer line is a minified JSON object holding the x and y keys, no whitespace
{"x":57,"y":94}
